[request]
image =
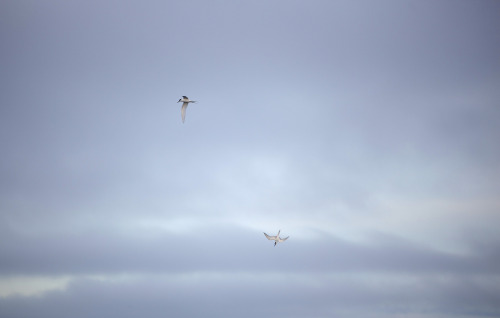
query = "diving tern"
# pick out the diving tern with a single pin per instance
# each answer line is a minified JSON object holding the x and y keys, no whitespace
{"x":277,"y":238}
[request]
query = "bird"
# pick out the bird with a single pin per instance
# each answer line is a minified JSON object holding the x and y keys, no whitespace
{"x":277,"y":238}
{"x":185,"y":101}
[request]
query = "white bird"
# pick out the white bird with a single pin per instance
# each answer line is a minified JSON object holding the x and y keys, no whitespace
{"x":277,"y":238}
{"x":185,"y":101}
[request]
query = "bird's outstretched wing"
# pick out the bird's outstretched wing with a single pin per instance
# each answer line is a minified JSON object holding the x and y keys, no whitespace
{"x":269,"y":237}
{"x":183,"y":110}
{"x":284,"y":239}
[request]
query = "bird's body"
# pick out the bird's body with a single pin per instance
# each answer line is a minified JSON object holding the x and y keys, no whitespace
{"x":185,"y":101}
{"x":277,"y":239}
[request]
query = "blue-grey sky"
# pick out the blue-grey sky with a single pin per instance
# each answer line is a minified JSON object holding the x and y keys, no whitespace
{"x":367,"y":131}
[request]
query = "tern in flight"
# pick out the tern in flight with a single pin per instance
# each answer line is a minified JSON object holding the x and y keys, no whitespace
{"x":277,"y":238}
{"x":185,"y":101}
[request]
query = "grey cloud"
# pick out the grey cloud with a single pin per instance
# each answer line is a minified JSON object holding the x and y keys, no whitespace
{"x":248,"y":296}
{"x":309,"y":114}
{"x":221,"y":248}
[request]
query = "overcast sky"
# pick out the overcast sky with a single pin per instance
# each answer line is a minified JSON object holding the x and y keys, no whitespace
{"x":367,"y":131}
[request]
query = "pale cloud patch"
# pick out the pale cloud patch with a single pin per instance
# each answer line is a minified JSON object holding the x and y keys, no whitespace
{"x":31,"y":285}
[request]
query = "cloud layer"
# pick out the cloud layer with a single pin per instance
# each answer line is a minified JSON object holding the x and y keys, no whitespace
{"x":367,"y":132}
